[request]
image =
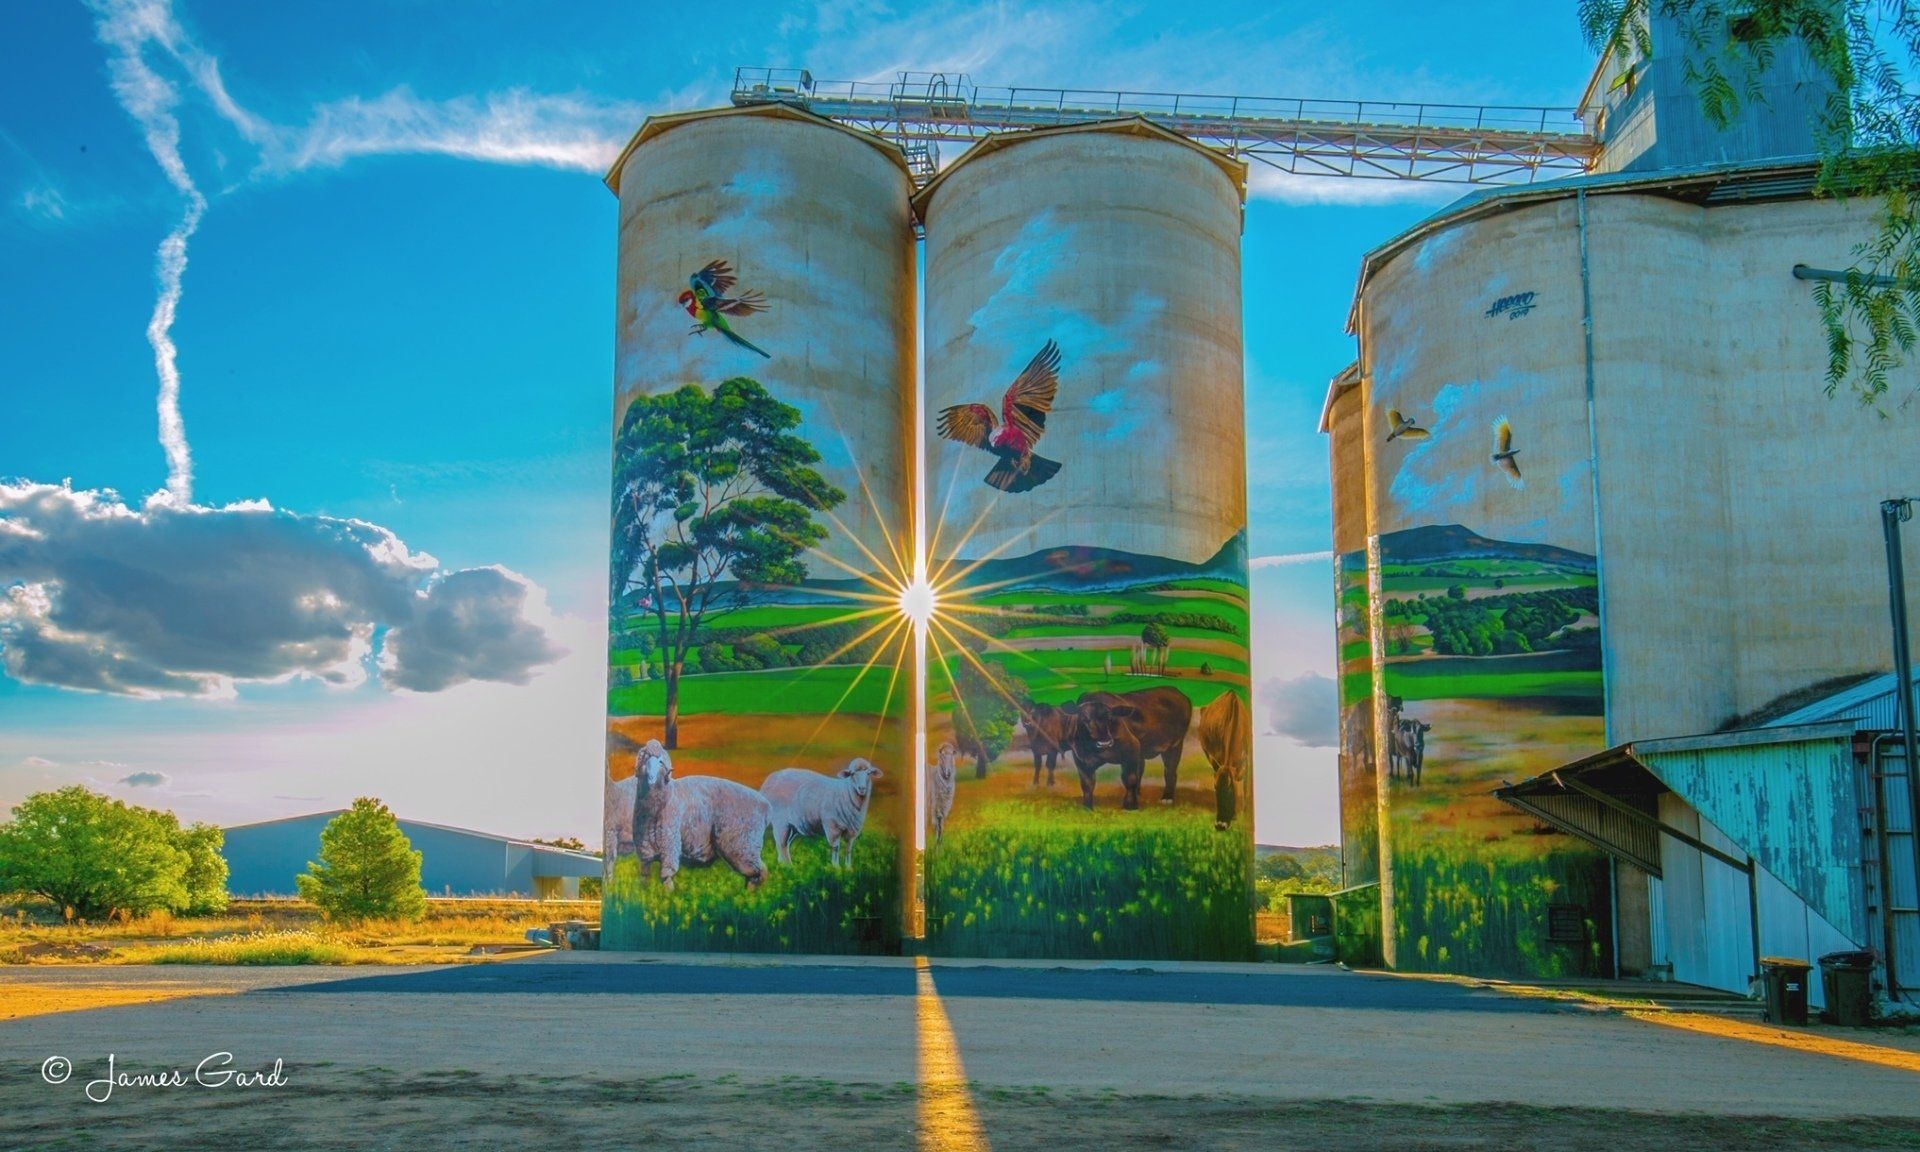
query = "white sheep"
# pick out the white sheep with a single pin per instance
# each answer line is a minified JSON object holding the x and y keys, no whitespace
{"x":940,"y":787}
{"x":617,"y":822}
{"x":695,"y":819}
{"x":809,"y":804}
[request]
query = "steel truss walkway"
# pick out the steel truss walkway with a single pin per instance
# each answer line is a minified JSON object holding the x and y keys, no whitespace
{"x":1462,"y":144}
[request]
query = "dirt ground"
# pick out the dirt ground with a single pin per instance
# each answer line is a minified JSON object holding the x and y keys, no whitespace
{"x":587,"y":1051}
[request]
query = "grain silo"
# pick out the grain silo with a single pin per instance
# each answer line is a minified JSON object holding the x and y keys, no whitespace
{"x":1087,"y":515}
{"x":763,"y":459}
{"x":1608,"y":511}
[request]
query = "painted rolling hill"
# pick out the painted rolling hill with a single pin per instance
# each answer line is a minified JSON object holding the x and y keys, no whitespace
{"x":1457,"y":542}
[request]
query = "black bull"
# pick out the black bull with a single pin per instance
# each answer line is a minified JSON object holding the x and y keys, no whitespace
{"x":1128,"y":729}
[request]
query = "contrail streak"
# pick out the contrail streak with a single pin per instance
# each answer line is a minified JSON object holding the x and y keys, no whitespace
{"x":170,"y":265}
{"x":1289,"y":559}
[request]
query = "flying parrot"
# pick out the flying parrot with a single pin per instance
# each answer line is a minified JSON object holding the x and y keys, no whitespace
{"x":1504,"y":452}
{"x":1024,"y":412}
{"x":706,"y":300}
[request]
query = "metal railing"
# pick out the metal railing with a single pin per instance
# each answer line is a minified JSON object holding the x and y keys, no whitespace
{"x":1459,"y":143}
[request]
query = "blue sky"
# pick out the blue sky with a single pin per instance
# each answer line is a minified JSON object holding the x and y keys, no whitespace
{"x":396,"y":312}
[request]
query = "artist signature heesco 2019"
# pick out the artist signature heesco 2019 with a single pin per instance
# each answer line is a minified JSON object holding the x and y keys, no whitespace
{"x":216,"y":1071}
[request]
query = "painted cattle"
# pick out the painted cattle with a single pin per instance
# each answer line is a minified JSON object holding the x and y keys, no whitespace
{"x":1128,"y":729}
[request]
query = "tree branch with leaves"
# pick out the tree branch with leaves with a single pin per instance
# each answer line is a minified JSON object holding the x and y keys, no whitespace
{"x":1867,"y":134}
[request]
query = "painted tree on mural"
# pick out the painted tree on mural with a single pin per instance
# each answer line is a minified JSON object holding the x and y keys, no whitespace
{"x":1868,"y":136}
{"x":714,"y":496}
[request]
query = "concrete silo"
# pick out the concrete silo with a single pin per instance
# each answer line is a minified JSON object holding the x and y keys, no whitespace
{"x":1087,"y":517}
{"x":1606,"y":501}
{"x":763,"y":457}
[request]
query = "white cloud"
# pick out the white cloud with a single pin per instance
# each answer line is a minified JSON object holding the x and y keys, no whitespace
{"x":515,"y":127}
{"x":184,"y":600}
{"x":1304,"y":709}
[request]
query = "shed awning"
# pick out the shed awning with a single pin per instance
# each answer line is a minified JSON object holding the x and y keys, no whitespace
{"x":1784,"y":796}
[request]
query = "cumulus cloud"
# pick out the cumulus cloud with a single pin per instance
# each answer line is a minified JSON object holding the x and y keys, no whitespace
{"x":179,"y":599}
{"x":470,"y":625}
{"x":146,"y":780}
{"x":1304,"y":708}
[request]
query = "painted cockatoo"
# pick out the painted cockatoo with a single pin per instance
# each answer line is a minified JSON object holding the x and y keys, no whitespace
{"x":1024,"y":420}
{"x":1399,"y":426}
{"x":1504,"y":452}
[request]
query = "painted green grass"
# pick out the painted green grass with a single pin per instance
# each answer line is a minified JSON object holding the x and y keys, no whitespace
{"x":1056,"y":686}
{"x":776,"y":690}
{"x":806,"y":906}
{"x":1559,"y":673}
{"x":1465,"y":906}
{"x":1091,"y":660}
{"x":1124,"y":635}
{"x":1052,"y":880}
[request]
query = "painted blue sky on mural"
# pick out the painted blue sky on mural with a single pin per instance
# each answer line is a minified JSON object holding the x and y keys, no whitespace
{"x":377,"y":262}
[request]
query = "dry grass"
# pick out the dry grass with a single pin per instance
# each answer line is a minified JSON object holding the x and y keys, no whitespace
{"x":279,"y":932}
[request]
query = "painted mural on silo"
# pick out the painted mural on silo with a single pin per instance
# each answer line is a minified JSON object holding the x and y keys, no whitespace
{"x":758,"y":790}
{"x":1087,"y":665}
{"x":1345,"y":422}
{"x":1485,"y":603}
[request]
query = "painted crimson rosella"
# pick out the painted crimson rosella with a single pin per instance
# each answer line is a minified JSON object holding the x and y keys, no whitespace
{"x":709,"y":305}
{"x":1024,"y":410}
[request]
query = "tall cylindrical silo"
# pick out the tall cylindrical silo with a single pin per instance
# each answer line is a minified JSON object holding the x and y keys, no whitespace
{"x":1087,"y":522}
{"x":762,"y":470}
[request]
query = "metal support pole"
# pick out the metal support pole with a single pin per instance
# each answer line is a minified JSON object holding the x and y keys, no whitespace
{"x":1892,"y":513}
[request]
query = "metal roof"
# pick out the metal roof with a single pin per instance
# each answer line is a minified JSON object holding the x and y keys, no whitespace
{"x":1870,"y":704}
{"x":405,"y":823}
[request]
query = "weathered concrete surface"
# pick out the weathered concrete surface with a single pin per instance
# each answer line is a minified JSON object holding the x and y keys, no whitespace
{"x":1219,"y":1031}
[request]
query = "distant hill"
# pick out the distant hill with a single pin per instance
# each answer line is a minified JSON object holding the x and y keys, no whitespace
{"x":1457,"y":542}
{"x":1080,"y":569}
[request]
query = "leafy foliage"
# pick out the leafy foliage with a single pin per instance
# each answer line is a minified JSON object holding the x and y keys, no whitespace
{"x":1154,"y":635}
{"x":98,"y":856}
{"x":1499,"y":625}
{"x":714,"y":496}
{"x":367,"y":870}
{"x":984,"y":712}
{"x":1868,"y":136}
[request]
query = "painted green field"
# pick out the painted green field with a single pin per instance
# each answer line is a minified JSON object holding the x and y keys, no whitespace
{"x":776,"y":690}
{"x":1052,"y":686}
{"x":1040,"y":879}
{"x":1400,"y":579}
{"x":1571,"y":674}
{"x":1124,"y":635}
{"x":806,"y":906}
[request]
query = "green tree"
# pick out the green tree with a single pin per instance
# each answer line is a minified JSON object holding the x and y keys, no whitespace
{"x":93,"y":854}
{"x":205,"y":875}
{"x":367,"y":869}
{"x":1868,"y":136}
{"x":714,"y":498}
{"x":1154,"y":636}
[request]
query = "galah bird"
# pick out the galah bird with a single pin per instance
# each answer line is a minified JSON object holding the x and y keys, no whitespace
{"x":709,"y":305}
{"x":1399,"y":426}
{"x":1504,"y":452}
{"x":1024,"y":410}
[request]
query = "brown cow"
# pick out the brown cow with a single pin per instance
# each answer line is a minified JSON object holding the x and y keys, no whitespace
{"x":1224,"y":738}
{"x":1049,"y":731}
{"x":1128,"y":729}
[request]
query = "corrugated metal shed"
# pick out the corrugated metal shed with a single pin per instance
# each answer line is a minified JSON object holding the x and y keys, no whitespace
{"x":1787,"y":796}
{"x":1870,"y":704}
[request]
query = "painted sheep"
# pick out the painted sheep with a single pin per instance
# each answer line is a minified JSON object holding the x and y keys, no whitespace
{"x":809,"y":804}
{"x":694,"y":819}
{"x":617,"y":822}
{"x":940,"y":778}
